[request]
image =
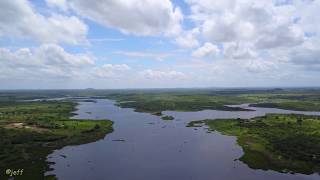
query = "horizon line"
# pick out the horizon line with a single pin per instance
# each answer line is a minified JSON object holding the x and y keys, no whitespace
{"x":159,"y":88}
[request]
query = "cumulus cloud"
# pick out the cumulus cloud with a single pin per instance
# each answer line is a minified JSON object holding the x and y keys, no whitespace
{"x":262,"y":34}
{"x":227,"y":28}
{"x":260,"y":22}
{"x":243,"y":37}
{"x":18,"y":18}
{"x":51,"y":63}
{"x":263,"y":24}
{"x":236,"y":50}
{"x":48,"y":60}
{"x":207,"y":49}
{"x":282,"y":36}
{"x":148,"y":17}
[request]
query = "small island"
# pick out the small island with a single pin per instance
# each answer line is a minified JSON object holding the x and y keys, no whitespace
{"x":283,"y":143}
{"x":167,"y":118}
{"x":157,"y":113}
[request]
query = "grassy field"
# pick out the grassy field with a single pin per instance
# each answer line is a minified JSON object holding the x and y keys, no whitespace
{"x":31,"y":130}
{"x":284,"y":143}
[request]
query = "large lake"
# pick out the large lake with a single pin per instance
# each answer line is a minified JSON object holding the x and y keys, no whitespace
{"x":154,"y":149}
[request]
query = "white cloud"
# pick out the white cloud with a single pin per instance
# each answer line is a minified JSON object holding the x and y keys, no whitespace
{"x":274,"y":39}
{"x":188,"y":39}
{"x":170,"y":75}
{"x":261,"y":35}
{"x":61,"y":4}
{"x":247,"y":29}
{"x":50,"y":63}
{"x":148,"y":17}
{"x":140,"y":54}
{"x":282,"y":36}
{"x":48,"y":60}
{"x":307,"y":58}
{"x":227,"y":28}
{"x":18,"y":18}
{"x":260,"y":22}
{"x":207,"y":49}
{"x":236,"y":50}
{"x":110,"y":70}
{"x":259,"y":65}
{"x":307,"y":15}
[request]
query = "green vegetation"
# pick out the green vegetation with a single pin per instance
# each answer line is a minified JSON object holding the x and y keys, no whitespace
{"x":284,"y":143}
{"x":300,"y":100}
{"x":167,"y":118}
{"x":200,"y":99}
{"x":30,"y":131}
{"x":158,"y":100}
{"x":292,"y":105}
{"x":155,"y":103}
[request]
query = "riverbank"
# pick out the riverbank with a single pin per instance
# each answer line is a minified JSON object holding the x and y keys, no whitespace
{"x":283,"y":143}
{"x":32,"y":130}
{"x":296,"y":106}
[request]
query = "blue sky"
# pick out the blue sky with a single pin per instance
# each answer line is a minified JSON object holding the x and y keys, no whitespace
{"x":158,"y":44}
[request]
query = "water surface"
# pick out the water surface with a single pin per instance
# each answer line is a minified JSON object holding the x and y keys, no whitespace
{"x":154,"y":149}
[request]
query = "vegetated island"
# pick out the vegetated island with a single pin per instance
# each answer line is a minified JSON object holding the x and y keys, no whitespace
{"x":167,"y":118}
{"x":157,"y":102}
{"x":283,"y":143}
{"x":157,"y":113}
{"x":301,"y":99}
{"x":30,"y":131}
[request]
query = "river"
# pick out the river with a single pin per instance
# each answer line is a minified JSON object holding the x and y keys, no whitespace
{"x":144,"y":147}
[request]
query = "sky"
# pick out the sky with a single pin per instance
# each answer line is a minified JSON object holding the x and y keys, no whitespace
{"x":110,"y":44}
